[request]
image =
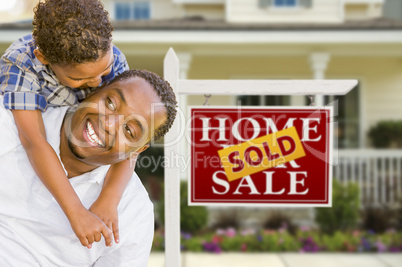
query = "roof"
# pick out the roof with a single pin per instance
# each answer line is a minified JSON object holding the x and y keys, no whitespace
{"x":198,"y":23}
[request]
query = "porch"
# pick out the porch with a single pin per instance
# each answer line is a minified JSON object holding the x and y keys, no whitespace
{"x":376,"y":171}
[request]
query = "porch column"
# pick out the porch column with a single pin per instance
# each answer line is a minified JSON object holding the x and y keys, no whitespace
{"x":184,"y":61}
{"x":319,"y":64}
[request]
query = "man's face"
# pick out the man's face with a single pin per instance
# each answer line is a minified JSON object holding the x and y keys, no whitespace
{"x":117,"y":120}
{"x":84,"y":75}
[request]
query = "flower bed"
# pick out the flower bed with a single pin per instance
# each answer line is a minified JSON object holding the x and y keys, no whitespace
{"x":305,"y":240}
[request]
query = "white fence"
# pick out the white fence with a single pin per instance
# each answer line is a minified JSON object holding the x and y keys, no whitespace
{"x":377,"y":172}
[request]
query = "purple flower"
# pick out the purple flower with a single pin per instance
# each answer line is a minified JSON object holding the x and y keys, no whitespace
{"x":308,"y":245}
{"x":380,"y":246}
{"x":186,"y":235}
{"x":212,"y":247}
{"x":259,"y":238}
{"x":366,"y":244}
{"x":394,"y":249}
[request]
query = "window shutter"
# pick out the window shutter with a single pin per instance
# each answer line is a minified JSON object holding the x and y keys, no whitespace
{"x":305,"y":3}
{"x":264,"y":3}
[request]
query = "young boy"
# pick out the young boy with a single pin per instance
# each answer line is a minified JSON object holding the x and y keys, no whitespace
{"x":68,"y":55}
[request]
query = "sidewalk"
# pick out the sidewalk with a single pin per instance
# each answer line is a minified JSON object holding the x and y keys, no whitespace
{"x":282,"y":260}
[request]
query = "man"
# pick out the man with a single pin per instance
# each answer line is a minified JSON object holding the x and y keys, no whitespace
{"x":116,"y":121}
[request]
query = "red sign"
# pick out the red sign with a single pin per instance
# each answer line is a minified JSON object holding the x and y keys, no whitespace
{"x":261,"y":155}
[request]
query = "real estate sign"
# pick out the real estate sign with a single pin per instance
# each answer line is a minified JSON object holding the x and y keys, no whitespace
{"x":271,"y":156}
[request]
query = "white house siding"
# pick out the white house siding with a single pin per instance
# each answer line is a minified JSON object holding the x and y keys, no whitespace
{"x":165,"y":9}
{"x":362,"y":11}
{"x":205,"y":11}
{"x":384,"y":93}
{"x":321,"y":11}
{"x":160,"y":9}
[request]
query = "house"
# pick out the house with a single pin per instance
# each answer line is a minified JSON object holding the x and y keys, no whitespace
{"x":281,"y":39}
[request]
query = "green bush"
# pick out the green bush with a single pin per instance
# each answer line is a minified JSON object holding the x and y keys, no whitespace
{"x":344,"y":213}
{"x":386,"y":134}
{"x":192,"y":218}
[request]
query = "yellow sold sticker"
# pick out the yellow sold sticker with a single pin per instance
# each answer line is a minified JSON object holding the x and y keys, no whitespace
{"x":261,"y":153}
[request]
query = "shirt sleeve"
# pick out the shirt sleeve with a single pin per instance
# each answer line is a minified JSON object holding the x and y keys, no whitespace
{"x":20,"y":88}
{"x":120,"y":61}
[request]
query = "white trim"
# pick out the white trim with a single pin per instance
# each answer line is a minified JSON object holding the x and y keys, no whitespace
{"x":364,"y":1}
{"x":265,"y":87}
{"x":342,"y":9}
{"x":227,"y":10}
{"x":257,"y":37}
{"x":240,"y":37}
{"x":200,"y":2}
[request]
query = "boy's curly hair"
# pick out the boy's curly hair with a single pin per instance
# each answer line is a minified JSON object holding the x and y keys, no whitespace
{"x":71,"y":32}
{"x":163,"y":90}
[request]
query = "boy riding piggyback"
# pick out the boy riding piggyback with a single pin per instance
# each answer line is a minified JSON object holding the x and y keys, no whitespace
{"x":68,"y":55}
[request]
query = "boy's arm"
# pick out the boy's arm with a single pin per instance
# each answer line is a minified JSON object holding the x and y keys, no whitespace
{"x":105,"y":207}
{"x":47,"y":166}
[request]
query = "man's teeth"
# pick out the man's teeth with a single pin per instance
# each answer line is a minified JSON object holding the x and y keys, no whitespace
{"x":92,"y":135}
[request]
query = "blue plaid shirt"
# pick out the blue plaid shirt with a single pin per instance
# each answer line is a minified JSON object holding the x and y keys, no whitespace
{"x":28,"y":84}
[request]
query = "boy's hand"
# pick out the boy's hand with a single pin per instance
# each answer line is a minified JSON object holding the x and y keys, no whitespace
{"x":108,"y":213}
{"x":89,"y":228}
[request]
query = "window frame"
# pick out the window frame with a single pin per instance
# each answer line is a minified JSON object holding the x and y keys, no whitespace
{"x":134,"y":8}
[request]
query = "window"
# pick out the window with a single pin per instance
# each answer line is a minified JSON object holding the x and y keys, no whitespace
{"x":122,"y":11}
{"x":257,"y":100}
{"x":132,"y":10}
{"x":285,"y":3}
{"x":142,"y":10}
{"x":347,"y":131}
{"x":347,"y":116}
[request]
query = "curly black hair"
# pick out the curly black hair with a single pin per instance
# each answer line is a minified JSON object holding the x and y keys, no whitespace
{"x":71,"y":32}
{"x":163,"y":90}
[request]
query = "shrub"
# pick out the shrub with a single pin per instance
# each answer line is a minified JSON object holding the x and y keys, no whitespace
{"x":278,"y":220}
{"x":345,"y":209}
{"x":192,"y":218}
{"x":386,"y":134}
{"x":377,"y":219}
{"x":227,"y":219}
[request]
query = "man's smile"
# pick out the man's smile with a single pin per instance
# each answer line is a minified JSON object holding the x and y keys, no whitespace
{"x":91,"y":136}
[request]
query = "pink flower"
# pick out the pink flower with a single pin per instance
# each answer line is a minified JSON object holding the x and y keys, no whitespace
{"x":220,"y":232}
{"x":304,"y":228}
{"x":230,"y":232}
{"x":247,"y":232}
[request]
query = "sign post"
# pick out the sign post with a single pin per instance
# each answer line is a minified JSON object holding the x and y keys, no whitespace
{"x":221,"y":87}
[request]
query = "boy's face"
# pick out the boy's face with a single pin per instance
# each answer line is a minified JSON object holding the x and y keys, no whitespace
{"x":118,"y":119}
{"x":84,"y":75}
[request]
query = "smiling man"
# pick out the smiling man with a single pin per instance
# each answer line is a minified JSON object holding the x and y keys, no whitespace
{"x":109,"y":126}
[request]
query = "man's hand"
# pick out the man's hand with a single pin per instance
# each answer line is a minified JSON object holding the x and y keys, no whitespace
{"x":89,"y":228}
{"x":107,"y":211}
